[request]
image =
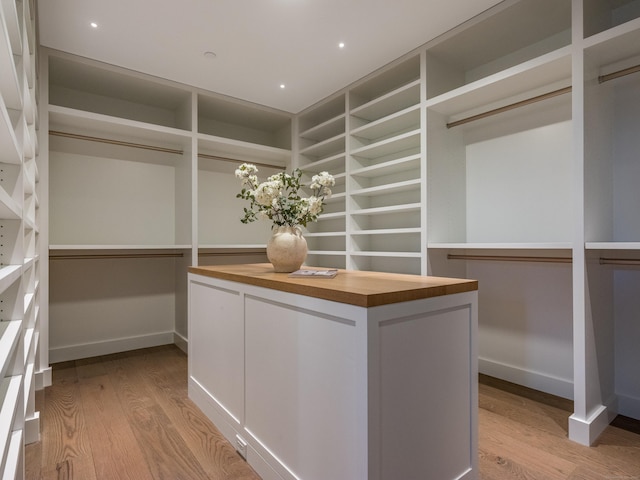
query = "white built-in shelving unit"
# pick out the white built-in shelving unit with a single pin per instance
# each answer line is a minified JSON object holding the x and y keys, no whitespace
{"x":492,"y":152}
{"x":142,"y":181}
{"x":505,"y":151}
{"x":20,"y":324}
{"x":386,"y":162}
{"x":321,"y":146}
{"x":608,"y":275}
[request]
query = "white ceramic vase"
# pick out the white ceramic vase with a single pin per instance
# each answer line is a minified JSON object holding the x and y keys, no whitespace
{"x":287,"y":249}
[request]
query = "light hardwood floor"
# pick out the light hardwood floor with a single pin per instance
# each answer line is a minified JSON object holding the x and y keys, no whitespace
{"x":127,"y":416}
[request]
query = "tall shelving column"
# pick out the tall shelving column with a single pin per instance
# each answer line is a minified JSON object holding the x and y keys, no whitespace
{"x":385,"y":173}
{"x":322,"y":147}
{"x":19,"y":231}
{"x":500,"y":184}
{"x":142,"y":174}
{"x":120,"y":171}
{"x":607,"y":101}
{"x":31,"y":226}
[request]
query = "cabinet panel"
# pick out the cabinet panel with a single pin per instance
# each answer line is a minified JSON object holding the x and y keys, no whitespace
{"x":297,"y":361}
{"x":216,"y":349}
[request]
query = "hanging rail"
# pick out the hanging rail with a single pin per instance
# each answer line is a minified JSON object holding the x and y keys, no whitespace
{"x":109,"y":256}
{"x":618,"y":74}
{"x":225,"y":254}
{"x":511,"y":258}
{"x":224,"y":159}
{"x":115,"y":142}
{"x":512,"y":106}
{"x":620,"y":261}
{"x":154,"y":148}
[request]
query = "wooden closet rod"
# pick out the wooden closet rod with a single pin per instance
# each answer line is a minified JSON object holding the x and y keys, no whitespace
{"x":620,"y":261}
{"x":154,"y":148}
{"x":618,"y":74}
{"x":105,"y":256}
{"x":115,"y":142}
{"x":225,"y":254}
{"x":513,"y":258}
{"x":233,"y":160}
{"x":506,"y":108}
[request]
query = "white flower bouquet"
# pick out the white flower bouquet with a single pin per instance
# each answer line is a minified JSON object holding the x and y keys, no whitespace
{"x":278,"y":198}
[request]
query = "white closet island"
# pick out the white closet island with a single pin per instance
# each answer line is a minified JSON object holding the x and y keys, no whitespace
{"x":363,"y":376}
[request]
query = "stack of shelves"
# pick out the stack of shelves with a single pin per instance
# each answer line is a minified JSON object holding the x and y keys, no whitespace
{"x":501,"y":185}
{"x":611,"y":103}
{"x":120,"y":170}
{"x":386,"y":163}
{"x":322,"y":147}
{"x":142,"y":175}
{"x":487,"y":172}
{"x":112,"y":133}
{"x":19,"y":232}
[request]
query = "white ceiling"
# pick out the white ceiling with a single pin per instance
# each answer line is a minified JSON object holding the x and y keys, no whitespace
{"x":259,"y":44}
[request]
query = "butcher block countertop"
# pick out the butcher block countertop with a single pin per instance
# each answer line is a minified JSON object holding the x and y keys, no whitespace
{"x":363,"y":289}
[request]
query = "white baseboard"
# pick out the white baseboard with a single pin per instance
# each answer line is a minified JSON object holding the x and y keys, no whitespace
{"x":536,"y":380}
{"x":32,"y":429}
{"x":43,"y":378}
{"x":87,"y":350}
{"x":181,"y":342}
{"x":586,"y":431}
{"x":629,"y":406}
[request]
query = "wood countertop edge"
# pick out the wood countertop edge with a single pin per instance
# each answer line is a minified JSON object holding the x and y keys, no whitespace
{"x":325,"y":289}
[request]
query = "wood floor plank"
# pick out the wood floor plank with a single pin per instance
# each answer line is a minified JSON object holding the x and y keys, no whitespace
{"x":66,"y":446}
{"x":109,"y":432}
{"x":213,"y":451}
{"x":166,"y":453}
{"x":538,"y":443}
{"x":521,"y":455}
{"x":533,"y":414}
{"x":94,"y":402}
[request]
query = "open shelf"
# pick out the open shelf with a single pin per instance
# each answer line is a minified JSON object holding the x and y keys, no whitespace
{"x":105,"y":127}
{"x":98,"y":88}
{"x":501,"y":246}
{"x":327,"y":129}
{"x":601,"y":17}
{"x":398,"y":122}
{"x":389,"y":146}
{"x":10,"y":153}
{"x":244,"y":123}
{"x":503,"y":179}
{"x":514,"y":33}
{"x":534,"y":77}
{"x":10,"y":81}
{"x":612,"y":245}
{"x":209,"y":145}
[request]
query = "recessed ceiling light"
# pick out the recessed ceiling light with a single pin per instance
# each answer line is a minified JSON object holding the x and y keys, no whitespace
{"x":94,"y":24}
{"x":341,"y":45}
{"x":282,"y":85}
{"x":210,"y":54}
